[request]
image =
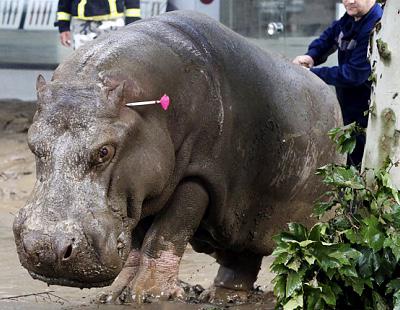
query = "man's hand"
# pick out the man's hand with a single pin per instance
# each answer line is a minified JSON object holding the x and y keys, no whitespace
{"x":65,"y":38}
{"x":304,"y":60}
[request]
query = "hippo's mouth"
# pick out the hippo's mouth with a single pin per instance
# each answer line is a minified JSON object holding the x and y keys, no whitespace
{"x":67,"y":282}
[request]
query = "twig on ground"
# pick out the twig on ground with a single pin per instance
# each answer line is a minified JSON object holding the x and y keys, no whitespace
{"x":43,"y":295}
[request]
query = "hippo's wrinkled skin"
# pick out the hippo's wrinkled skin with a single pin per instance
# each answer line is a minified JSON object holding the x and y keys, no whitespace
{"x":121,"y":191}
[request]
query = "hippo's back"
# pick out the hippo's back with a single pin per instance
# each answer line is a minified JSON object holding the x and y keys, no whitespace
{"x":261,"y":127}
{"x":274,"y":117}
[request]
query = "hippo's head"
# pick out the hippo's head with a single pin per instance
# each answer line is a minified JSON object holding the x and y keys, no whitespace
{"x":97,"y":163}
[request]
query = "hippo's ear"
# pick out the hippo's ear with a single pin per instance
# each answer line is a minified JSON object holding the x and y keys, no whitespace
{"x":40,"y":82}
{"x":116,"y":95}
{"x":119,"y":89}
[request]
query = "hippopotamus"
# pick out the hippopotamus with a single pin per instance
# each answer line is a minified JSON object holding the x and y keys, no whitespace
{"x":121,"y":191}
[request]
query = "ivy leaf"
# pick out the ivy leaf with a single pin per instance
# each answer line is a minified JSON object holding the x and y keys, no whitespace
{"x":346,"y":177}
{"x":395,"y":194}
{"x":387,"y":265}
{"x":379,"y":302}
{"x":306,"y":243}
{"x":279,"y":286}
{"x":384,"y":177}
{"x":298,"y":231}
{"x":312,"y":298}
{"x":393,"y":243}
{"x":345,"y":137}
{"x":368,"y":263}
{"x":357,"y":284}
{"x":293,"y":283}
{"x":280,"y":249}
{"x":328,"y":295}
{"x":348,"y":145}
{"x":317,"y":231}
{"x":341,"y":223}
{"x":348,"y":271}
{"x":286,"y":237}
{"x":321,"y":207}
{"x":345,"y":254}
{"x":310,"y":259}
{"x":393,"y":286}
{"x":282,"y":258}
{"x":321,"y":251}
{"x":396,"y":300}
{"x":279,"y":269}
{"x":294,"y":265}
{"x":294,"y":303}
{"x":353,"y":236}
{"x":372,"y":234}
{"x":392,"y":214}
{"x":331,"y":272}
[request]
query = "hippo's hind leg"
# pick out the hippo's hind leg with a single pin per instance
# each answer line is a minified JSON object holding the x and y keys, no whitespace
{"x":237,"y":271}
{"x":236,"y":276}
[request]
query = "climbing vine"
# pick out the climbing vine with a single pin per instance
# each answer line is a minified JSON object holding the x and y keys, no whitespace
{"x":352,"y":260}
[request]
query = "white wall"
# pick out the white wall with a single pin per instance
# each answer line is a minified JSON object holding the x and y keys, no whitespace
{"x":340,"y":10}
{"x":212,"y":9}
{"x":20,"y":84}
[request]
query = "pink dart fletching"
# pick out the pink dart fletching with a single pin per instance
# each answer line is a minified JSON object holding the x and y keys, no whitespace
{"x":164,"y":101}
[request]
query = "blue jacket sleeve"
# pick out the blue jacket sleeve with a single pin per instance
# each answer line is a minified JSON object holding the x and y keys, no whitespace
{"x":63,"y":15}
{"x":132,"y":11}
{"x":352,"y":73}
{"x":322,"y":47}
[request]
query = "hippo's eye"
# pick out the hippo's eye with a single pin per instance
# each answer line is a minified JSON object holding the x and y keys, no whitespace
{"x":104,"y":154}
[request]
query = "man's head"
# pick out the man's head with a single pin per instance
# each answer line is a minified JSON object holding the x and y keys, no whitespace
{"x":358,"y":8}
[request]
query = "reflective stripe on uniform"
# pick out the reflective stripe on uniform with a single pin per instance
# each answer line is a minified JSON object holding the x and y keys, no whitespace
{"x":81,"y":9}
{"x":102,"y":17}
{"x":63,"y":16}
{"x":132,"y":12}
{"x":113,"y":6}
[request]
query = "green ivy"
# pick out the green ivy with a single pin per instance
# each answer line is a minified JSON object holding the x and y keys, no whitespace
{"x":345,"y":137}
{"x":351,"y":261}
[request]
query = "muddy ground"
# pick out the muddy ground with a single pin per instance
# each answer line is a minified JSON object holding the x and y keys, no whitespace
{"x":17,"y":177}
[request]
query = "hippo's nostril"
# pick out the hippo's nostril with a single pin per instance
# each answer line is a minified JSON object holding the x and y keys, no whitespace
{"x":68,"y":252}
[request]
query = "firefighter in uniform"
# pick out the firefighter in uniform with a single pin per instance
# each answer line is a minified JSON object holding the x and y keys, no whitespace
{"x":87,"y":19}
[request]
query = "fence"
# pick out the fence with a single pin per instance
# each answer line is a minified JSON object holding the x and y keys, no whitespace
{"x":41,"y":14}
{"x":10,"y":14}
{"x":150,"y":8}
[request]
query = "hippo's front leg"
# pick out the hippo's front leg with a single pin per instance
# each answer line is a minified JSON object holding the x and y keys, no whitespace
{"x":117,"y":293}
{"x":166,"y":240}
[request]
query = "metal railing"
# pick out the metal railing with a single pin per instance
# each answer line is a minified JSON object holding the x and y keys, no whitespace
{"x":40,"y":15}
{"x":150,"y":8}
{"x":10,"y":13}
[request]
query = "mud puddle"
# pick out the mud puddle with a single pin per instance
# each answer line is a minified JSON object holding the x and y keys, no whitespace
{"x":17,"y":176}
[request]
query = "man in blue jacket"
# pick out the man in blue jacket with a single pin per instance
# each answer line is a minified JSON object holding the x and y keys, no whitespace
{"x":350,"y":36}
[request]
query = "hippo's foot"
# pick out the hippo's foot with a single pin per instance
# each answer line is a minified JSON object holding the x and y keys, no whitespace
{"x":114,"y":297}
{"x":118,"y":293}
{"x":236,"y":276}
{"x":148,"y":291}
{"x":157,"y":278}
{"x":222,"y":296}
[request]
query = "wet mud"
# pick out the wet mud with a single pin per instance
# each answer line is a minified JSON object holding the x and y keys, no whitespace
{"x":19,"y":291}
